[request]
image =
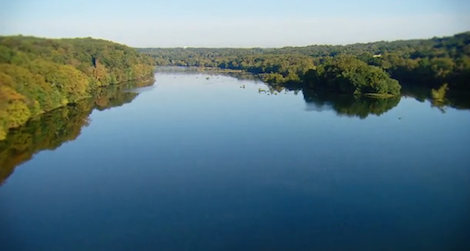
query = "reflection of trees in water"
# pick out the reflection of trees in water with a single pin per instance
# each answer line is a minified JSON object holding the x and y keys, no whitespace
{"x":46,"y":132}
{"x":348,"y":105}
{"x":456,"y":99}
{"x":343,"y":104}
{"x":52,"y":129}
{"x":109,"y":98}
{"x":363,"y":106}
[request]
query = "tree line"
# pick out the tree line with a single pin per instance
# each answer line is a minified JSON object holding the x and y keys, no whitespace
{"x":357,"y":68}
{"x":39,"y":75}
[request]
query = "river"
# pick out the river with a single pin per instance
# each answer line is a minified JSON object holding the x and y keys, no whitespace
{"x":204,"y":161}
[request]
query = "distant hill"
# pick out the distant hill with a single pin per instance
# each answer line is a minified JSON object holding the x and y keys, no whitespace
{"x":427,"y":62}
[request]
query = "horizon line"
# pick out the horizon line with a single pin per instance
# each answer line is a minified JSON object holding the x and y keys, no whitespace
{"x":233,"y":47}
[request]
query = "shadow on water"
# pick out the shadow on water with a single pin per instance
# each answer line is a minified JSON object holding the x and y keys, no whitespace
{"x":52,"y":129}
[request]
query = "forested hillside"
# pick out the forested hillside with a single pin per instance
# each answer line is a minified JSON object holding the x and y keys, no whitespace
{"x":39,"y":75}
{"x":427,"y":62}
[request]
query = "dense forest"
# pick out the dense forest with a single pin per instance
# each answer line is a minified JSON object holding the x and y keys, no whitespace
{"x":39,"y":75}
{"x":51,"y":130}
{"x":355,"y":68}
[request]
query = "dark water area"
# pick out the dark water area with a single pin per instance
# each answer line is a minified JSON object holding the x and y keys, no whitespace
{"x":204,"y":161}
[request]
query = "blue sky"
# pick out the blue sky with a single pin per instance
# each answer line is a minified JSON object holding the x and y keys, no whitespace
{"x":242,"y":23}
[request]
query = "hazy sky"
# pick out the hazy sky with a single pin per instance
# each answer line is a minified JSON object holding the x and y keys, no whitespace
{"x":239,"y":23}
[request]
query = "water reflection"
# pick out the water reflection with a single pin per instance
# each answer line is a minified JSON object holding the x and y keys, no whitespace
{"x":51,"y":130}
{"x":342,"y":104}
{"x":348,"y":105}
{"x":453,"y":98}
{"x":362,"y":107}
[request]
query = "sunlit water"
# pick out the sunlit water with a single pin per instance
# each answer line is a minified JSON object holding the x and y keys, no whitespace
{"x":214,"y":164}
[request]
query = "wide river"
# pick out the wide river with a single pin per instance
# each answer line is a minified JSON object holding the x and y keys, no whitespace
{"x":211,"y":162}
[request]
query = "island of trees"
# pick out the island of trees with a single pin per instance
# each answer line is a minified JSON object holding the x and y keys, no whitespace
{"x":39,"y":75}
{"x":378,"y":68}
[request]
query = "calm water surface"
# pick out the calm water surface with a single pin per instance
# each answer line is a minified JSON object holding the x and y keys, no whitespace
{"x":205,"y":164}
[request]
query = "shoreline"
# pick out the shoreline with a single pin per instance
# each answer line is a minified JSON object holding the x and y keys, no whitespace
{"x":6,"y":131}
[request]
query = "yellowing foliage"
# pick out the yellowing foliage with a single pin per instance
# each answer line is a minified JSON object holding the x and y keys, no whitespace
{"x":38,"y":75}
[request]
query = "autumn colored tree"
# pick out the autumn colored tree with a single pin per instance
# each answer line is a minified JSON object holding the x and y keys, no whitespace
{"x":39,"y":75}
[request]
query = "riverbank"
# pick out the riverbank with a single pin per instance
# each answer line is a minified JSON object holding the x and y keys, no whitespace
{"x":39,"y":75}
{"x":4,"y":131}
